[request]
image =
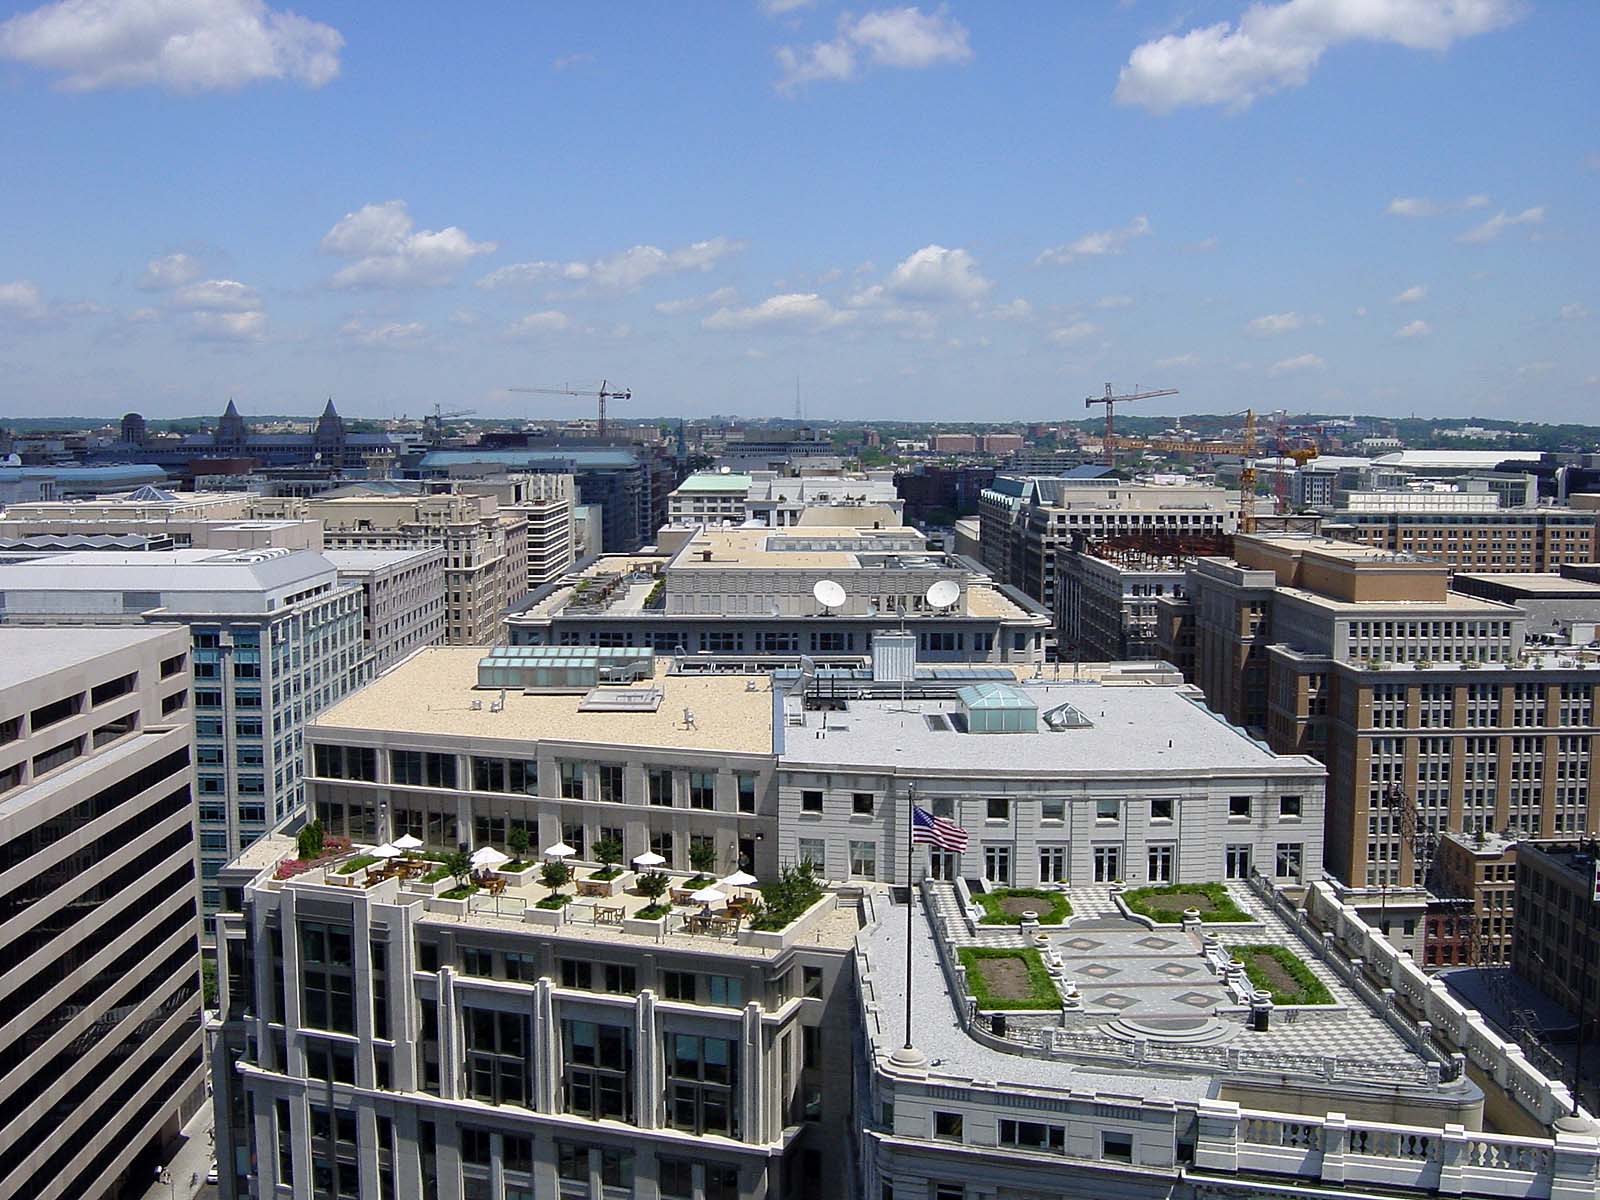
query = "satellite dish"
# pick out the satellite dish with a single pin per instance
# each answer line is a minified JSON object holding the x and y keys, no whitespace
{"x":828,"y":593}
{"x":943,"y":593}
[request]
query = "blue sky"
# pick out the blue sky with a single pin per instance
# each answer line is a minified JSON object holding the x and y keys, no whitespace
{"x":971,"y":211}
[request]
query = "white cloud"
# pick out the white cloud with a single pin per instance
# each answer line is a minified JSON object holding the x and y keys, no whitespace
{"x":624,"y":271}
{"x":1500,"y":222}
{"x":568,"y":61}
{"x":722,"y":297}
{"x":217,"y":295}
{"x":1411,"y":295}
{"x":1178,"y":360}
{"x":902,"y":38}
{"x":1204,"y":246}
{"x":386,"y":250}
{"x":1114,"y":302}
{"x":1413,"y":329}
{"x":1361,"y":310}
{"x":1275,"y":323}
{"x":1574,"y":312}
{"x":1094,"y":245}
{"x":1016,"y":310}
{"x":20,"y":300}
{"x":777,"y":8}
{"x":1077,"y":331}
{"x":179,"y":45}
{"x":1423,"y":206}
{"x":230,"y":326}
{"x":1300,"y":362}
{"x":1277,"y":46}
{"x":536,"y":323}
{"x":936,"y":275}
{"x":393,"y":334}
{"x":800,"y":311}
{"x":1542,"y":367}
{"x":169,"y":271}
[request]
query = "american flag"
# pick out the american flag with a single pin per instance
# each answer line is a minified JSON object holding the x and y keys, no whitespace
{"x":925,"y":827}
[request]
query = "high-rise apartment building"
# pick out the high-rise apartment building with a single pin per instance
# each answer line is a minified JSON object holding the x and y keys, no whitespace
{"x":100,"y":1041}
{"x":277,"y":637}
{"x":547,"y":501}
{"x":1430,"y":708}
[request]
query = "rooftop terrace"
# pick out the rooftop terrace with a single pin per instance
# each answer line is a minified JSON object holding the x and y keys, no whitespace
{"x":435,"y":690}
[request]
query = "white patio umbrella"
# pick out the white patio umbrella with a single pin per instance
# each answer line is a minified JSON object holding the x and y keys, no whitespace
{"x":707,"y":895}
{"x":559,"y":850}
{"x":648,"y":859}
{"x":406,"y":842}
{"x":741,"y":879}
{"x":489,"y":858}
{"x":385,"y":851}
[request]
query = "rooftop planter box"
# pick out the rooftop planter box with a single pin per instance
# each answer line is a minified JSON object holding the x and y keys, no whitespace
{"x":1280,"y":972}
{"x":454,"y":906}
{"x":644,"y":926}
{"x":518,"y":874}
{"x":553,"y":918}
{"x":1008,"y":980}
{"x":1165,"y":904}
{"x":799,"y":927}
{"x":597,"y":886}
{"x":1005,"y":906}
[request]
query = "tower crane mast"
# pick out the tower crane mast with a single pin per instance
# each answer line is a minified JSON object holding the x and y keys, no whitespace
{"x":601,"y":395}
{"x":1111,"y":400}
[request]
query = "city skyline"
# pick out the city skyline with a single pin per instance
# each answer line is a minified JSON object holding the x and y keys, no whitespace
{"x":1312,"y":204}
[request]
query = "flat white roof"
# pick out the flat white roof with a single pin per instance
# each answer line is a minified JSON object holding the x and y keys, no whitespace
{"x":29,"y":652}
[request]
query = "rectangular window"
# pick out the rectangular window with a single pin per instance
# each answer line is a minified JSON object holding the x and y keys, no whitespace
{"x":948,"y":1126}
{"x":702,"y":1076}
{"x":1161,"y":808}
{"x":1033,"y":1135}
{"x":861,"y":803}
{"x":610,"y":775}
{"x":1107,"y":864}
{"x":1237,"y":862}
{"x":815,"y":851}
{"x":1116,"y":1147}
{"x":811,"y":801}
{"x":1287,"y":865}
{"x":1288,"y":806}
{"x":998,"y":808}
{"x":598,"y":1076}
{"x":1160,"y":864}
{"x":1238,"y":806}
{"x":747,"y":792}
{"x":1052,"y":808}
{"x":571,"y":780}
{"x":702,"y":789}
{"x":1052,"y":864}
{"x":496,"y":1044}
{"x":864,"y":860}
{"x":327,"y":976}
{"x":660,"y":779}
{"x":1107,"y":808}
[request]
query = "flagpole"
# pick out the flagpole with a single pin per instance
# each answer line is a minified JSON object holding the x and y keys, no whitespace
{"x":911,"y":821}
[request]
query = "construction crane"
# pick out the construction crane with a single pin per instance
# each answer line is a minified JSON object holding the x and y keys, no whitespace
{"x":601,"y":394}
{"x":1245,"y":448}
{"x":1301,"y":455}
{"x":433,"y":423}
{"x":1111,"y":400}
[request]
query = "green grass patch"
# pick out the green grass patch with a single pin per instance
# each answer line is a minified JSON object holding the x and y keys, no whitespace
{"x":515,"y":865}
{"x":1278,"y":970}
{"x":1166,"y":903}
{"x":436,"y":874}
{"x":653,"y":912}
{"x":459,"y":893}
{"x":355,"y":864}
{"x":559,"y":900}
{"x":1008,"y":978}
{"x":605,"y":874}
{"x":1005,"y":906}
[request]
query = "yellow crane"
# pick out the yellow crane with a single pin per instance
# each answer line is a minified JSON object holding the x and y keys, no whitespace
{"x":601,"y":395}
{"x":1245,"y":448}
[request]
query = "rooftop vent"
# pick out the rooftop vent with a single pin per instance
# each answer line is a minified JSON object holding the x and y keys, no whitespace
{"x":622,"y":700}
{"x":894,"y":656}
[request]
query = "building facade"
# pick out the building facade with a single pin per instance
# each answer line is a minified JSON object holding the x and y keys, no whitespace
{"x":1491,"y":541}
{"x":402,"y":601}
{"x":276,"y":638}
{"x":1105,"y":603}
{"x":486,"y":548}
{"x":100,"y":1021}
{"x":1429,"y":707}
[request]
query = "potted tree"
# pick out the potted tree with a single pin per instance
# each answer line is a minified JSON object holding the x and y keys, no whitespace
{"x":554,"y":875}
{"x":608,"y":880}
{"x":651,"y":920}
{"x":458,"y":899}
{"x":703,"y":858}
{"x":519,"y":871}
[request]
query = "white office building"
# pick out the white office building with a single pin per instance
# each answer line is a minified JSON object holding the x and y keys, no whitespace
{"x":277,"y":638}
